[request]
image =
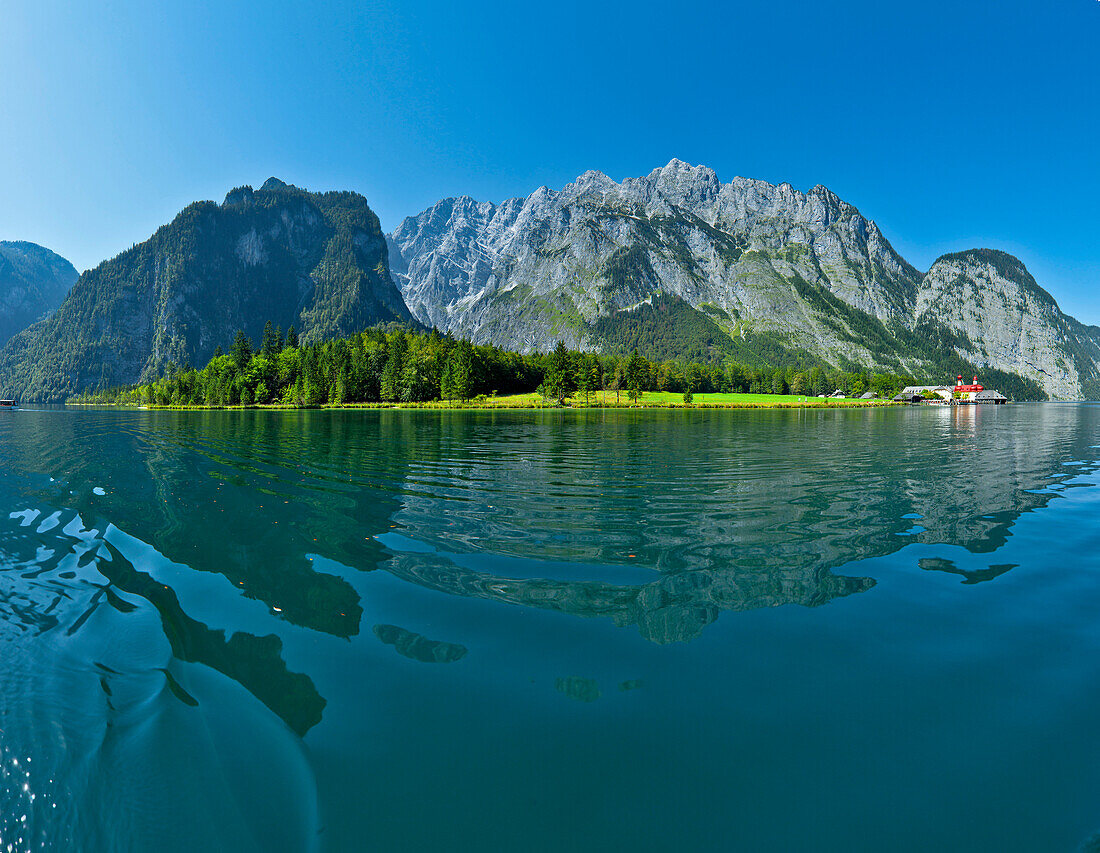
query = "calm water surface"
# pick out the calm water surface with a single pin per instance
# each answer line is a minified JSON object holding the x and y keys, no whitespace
{"x":342,"y":631}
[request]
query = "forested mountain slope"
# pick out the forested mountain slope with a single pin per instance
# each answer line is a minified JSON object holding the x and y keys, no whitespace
{"x":33,"y":281}
{"x":281,"y":254}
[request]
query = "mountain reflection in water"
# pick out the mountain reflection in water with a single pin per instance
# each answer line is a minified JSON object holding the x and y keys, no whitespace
{"x":160,"y":560}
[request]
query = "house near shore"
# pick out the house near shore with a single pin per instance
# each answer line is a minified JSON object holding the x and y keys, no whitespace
{"x":926,"y":392}
{"x":973,"y":393}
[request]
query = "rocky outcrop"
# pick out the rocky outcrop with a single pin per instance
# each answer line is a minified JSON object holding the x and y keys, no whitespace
{"x":759,"y":261}
{"x":33,"y":281}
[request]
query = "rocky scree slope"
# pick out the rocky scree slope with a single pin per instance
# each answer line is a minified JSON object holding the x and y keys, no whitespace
{"x":745,"y":268}
{"x":316,"y":261}
{"x":33,"y":281}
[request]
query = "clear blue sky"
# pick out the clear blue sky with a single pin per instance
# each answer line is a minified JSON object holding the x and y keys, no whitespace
{"x":952,"y":124}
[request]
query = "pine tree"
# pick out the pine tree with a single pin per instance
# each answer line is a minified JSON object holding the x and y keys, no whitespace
{"x":395,"y":366}
{"x":462,"y":376}
{"x":637,"y":369}
{"x":241,"y":351}
{"x":292,"y":338}
{"x":588,"y":376}
{"x":446,"y":379}
{"x":561,"y":380}
{"x":618,"y":380}
{"x":269,"y":345}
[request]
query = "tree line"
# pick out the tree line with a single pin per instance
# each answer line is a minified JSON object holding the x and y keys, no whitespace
{"x":392,"y":364}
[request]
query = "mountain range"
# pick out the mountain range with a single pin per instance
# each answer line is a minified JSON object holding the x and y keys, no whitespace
{"x":676,"y":263}
{"x":746,"y":268}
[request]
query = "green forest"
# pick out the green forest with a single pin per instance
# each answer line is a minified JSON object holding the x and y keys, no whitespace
{"x":393,"y":364}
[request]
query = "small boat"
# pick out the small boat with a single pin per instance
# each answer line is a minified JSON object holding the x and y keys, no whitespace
{"x":8,"y":404}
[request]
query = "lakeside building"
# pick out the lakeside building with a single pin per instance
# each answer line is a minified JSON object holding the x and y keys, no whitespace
{"x":942,"y":392}
{"x":960,"y":394}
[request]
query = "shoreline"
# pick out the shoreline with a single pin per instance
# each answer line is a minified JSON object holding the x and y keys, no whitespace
{"x":462,"y":407}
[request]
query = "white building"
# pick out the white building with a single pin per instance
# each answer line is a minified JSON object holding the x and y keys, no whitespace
{"x":941,"y":391}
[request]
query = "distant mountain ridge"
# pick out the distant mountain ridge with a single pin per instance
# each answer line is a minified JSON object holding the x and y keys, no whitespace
{"x":316,"y":261}
{"x":746,"y":266}
{"x":33,"y":281}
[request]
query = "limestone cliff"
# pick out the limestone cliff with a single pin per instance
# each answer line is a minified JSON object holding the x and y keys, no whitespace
{"x":758,"y":267}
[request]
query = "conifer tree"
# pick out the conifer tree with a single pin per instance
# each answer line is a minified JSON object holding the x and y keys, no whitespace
{"x":636,"y":370}
{"x":588,"y":376}
{"x":560,"y":378}
{"x":395,"y":366}
{"x":269,"y":345}
{"x":462,"y":370}
{"x":447,"y":379}
{"x":241,"y":351}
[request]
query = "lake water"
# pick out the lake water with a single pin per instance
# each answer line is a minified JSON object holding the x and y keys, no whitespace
{"x":543,"y":631}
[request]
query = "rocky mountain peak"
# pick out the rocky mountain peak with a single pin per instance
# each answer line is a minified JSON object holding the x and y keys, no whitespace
{"x":593,"y":181}
{"x":677,"y":183}
{"x":274,"y":184}
{"x":1003,"y":318}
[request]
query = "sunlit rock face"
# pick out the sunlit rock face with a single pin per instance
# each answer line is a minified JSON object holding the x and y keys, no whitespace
{"x":750,"y":258}
{"x":33,"y":281}
{"x":528,"y":271}
{"x":1006,"y":320}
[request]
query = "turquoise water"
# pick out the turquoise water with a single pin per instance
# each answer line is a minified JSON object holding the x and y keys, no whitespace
{"x":759,"y":630}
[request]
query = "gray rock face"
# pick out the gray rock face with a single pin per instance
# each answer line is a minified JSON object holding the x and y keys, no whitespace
{"x":1007,"y":321}
{"x":33,"y":281}
{"x":807,"y":269}
{"x":529,"y":271}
